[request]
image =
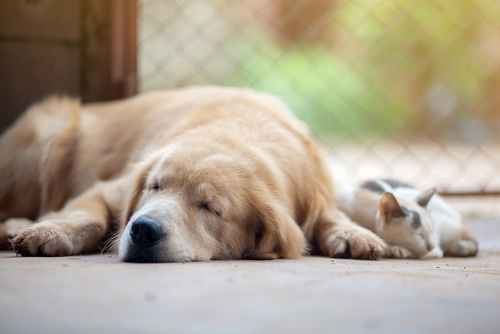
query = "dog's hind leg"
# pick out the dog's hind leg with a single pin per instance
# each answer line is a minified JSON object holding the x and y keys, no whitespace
{"x":78,"y":228}
{"x":337,"y":236}
{"x":36,"y":156}
{"x":19,"y":161}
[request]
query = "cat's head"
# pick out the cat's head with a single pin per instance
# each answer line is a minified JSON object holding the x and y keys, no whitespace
{"x":407,"y":223}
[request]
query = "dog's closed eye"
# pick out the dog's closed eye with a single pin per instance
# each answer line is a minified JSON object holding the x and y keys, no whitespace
{"x":206,"y":207}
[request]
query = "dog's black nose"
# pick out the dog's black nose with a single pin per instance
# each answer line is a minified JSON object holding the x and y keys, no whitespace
{"x":146,"y":232}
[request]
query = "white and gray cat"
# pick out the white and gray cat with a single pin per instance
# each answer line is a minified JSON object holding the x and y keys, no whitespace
{"x":414,"y":223}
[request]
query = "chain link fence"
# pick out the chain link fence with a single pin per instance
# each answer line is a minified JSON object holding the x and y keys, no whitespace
{"x":390,"y":88}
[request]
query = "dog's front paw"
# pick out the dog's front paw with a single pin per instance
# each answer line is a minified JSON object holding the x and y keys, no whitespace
{"x":43,"y":239}
{"x":398,"y":252}
{"x":355,"y":242}
{"x":9,"y":228}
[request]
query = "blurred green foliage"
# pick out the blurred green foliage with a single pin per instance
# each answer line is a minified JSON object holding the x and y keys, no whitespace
{"x":320,"y":88}
{"x":393,"y":67}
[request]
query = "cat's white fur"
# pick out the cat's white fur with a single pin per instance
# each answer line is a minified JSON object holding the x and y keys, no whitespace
{"x":442,"y":231}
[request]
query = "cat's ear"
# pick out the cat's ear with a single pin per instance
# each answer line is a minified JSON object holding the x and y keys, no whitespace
{"x":425,"y":196}
{"x":389,"y":208}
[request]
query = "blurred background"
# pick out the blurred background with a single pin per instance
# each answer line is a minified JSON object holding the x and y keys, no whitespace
{"x":390,"y":88}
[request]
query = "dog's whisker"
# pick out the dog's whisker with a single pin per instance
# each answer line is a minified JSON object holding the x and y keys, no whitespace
{"x":109,"y":244}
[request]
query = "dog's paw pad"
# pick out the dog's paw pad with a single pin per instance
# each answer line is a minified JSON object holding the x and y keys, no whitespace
{"x":40,"y":240}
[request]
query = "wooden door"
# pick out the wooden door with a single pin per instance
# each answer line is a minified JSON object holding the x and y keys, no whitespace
{"x":85,"y":48}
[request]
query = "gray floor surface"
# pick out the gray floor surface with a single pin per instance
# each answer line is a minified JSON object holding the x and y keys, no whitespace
{"x":99,"y":294}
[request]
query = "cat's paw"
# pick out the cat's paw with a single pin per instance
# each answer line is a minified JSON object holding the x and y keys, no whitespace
{"x":436,"y":253}
{"x":398,"y":252}
{"x":355,"y":242}
{"x":463,"y":248}
{"x":43,"y":239}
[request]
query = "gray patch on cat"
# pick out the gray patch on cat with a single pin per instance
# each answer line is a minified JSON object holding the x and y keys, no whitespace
{"x":397,"y":184}
{"x":373,"y":186}
{"x":415,"y":220}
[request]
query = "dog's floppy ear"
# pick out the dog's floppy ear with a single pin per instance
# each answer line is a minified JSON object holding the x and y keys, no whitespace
{"x":277,"y":235}
{"x":138,"y":178}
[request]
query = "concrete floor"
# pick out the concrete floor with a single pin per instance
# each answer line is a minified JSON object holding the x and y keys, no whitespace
{"x":99,"y":294}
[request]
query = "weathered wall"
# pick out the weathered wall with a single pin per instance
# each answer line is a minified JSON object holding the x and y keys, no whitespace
{"x":83,"y":48}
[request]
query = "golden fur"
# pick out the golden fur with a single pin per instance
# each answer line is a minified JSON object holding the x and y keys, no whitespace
{"x":229,"y":174}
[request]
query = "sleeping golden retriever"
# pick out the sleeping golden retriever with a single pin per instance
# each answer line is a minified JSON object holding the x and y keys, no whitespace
{"x":184,"y":175}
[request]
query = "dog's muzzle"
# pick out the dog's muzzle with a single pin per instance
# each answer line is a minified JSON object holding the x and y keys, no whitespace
{"x":145,"y":233}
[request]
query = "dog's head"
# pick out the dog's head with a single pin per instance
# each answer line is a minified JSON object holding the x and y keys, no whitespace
{"x":193,"y":203}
